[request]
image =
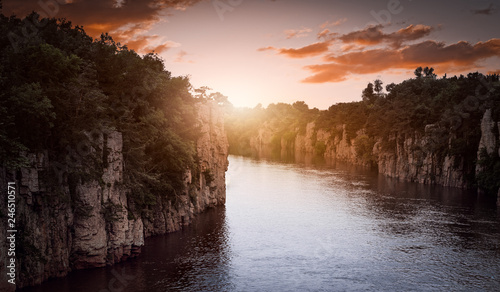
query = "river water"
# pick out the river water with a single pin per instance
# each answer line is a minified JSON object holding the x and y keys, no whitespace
{"x":317,"y":227}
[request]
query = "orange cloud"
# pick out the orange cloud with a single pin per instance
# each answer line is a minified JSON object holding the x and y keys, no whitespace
{"x":297,"y":33}
{"x":126,"y":21}
{"x":145,"y":43}
{"x":327,"y":73}
{"x":161,"y":48}
{"x":351,"y":47}
{"x":459,"y":56}
{"x":355,"y":56}
{"x":326,"y":35}
{"x":371,"y":35}
{"x":140,"y":42}
{"x":180,"y":57}
{"x":374,"y":35}
{"x":307,"y":51}
{"x":333,"y":23}
{"x":270,"y":48}
{"x":410,"y":33}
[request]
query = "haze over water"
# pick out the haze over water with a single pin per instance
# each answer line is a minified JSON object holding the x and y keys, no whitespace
{"x":297,"y":227}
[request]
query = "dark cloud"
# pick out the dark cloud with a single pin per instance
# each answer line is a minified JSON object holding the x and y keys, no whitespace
{"x":486,"y":11}
{"x":125,"y":20}
{"x":374,"y":35}
{"x":371,"y":35}
{"x":454,"y":57}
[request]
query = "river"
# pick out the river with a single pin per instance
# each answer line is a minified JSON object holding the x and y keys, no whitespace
{"x":316,"y":227}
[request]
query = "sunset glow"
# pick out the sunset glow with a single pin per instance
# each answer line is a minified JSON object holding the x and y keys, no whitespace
{"x":249,"y":145}
{"x":322,"y":52}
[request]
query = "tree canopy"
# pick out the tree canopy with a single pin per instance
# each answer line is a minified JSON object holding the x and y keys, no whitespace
{"x":59,"y":84}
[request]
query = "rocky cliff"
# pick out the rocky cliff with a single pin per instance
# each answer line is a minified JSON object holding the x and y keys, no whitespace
{"x":90,"y":222}
{"x":410,"y":157}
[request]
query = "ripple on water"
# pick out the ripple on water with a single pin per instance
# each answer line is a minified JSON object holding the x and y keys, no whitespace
{"x":301,"y":228}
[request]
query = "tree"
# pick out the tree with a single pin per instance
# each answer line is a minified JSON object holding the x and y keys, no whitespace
{"x":429,"y":73}
{"x":301,"y":106}
{"x":418,"y":72}
{"x":390,"y":87}
{"x":61,"y":84}
{"x":378,"y":86}
{"x":219,"y":98}
{"x":201,"y":92}
{"x":367,"y":94}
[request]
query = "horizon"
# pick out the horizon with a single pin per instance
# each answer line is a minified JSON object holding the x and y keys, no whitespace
{"x":321,"y":52}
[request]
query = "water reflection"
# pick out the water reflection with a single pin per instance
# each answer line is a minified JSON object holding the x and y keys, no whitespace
{"x":317,"y":226}
{"x":288,"y":156}
{"x":194,"y":259}
{"x":361,"y":231}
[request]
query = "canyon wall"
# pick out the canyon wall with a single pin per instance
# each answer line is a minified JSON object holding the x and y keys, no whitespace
{"x":411,"y":157}
{"x":91,"y":222}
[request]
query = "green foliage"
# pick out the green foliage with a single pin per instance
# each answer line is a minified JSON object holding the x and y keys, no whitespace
{"x":319,"y":148}
{"x":284,"y":120}
{"x":289,"y":138}
{"x":26,"y":251}
{"x":193,"y":194}
{"x":377,"y":86}
{"x":368,"y":94}
{"x":130,"y":214}
{"x":241,"y":125}
{"x":59,"y":84}
{"x":353,"y":115}
{"x":276,"y":142}
{"x":489,"y":174}
{"x":363,"y":145}
{"x":111,"y":211}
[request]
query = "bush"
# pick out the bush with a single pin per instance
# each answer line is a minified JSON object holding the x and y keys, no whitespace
{"x":489,"y":174}
{"x":319,"y":148}
{"x":363,"y":145}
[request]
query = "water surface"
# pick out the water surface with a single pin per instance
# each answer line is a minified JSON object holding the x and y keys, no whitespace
{"x":317,"y":227}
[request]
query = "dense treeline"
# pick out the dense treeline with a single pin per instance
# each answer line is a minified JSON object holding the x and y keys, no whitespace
{"x":285,"y":119}
{"x":447,"y":111}
{"x":61,"y":90}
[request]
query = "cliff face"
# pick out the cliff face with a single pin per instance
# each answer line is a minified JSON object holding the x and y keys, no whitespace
{"x":414,"y":161}
{"x":410,"y":157}
{"x":91,"y":223}
{"x":212,"y":150}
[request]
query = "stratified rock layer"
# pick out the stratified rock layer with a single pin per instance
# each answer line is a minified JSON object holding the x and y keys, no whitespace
{"x":410,"y":157}
{"x":91,"y":222}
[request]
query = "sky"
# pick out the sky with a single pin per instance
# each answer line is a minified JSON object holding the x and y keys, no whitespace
{"x":318,"y":51}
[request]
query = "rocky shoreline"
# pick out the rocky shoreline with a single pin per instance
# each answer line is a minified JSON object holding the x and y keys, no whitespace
{"x":93,"y":223}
